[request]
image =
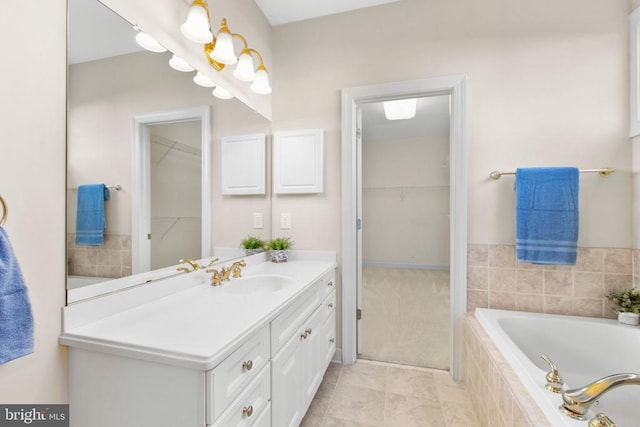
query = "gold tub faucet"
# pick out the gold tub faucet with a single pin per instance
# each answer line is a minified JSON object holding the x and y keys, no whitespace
{"x":578,"y":400}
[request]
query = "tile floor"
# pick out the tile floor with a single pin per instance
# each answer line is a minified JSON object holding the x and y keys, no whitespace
{"x":369,"y":394}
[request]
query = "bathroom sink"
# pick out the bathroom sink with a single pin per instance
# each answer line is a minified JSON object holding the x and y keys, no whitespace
{"x":260,"y":284}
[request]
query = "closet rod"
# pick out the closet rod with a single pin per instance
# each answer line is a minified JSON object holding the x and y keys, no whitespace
{"x":602,"y":172}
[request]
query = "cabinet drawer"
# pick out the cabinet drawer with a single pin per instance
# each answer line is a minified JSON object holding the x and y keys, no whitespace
{"x":328,"y":340}
{"x":264,"y":419}
{"x":288,"y":322}
{"x":329,"y":305}
{"x":229,"y":378}
{"x":249,"y":406}
{"x":329,"y":282}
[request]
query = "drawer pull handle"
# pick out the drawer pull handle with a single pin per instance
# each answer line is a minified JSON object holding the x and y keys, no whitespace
{"x":308,"y":331}
{"x":248,"y":410}
{"x":330,"y":283}
{"x":304,"y":336}
{"x":330,"y":305}
{"x":247,"y":365}
{"x":332,"y":340}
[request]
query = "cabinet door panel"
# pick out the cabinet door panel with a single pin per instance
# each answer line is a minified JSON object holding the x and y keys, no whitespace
{"x":285,"y":385}
{"x":311,"y":357}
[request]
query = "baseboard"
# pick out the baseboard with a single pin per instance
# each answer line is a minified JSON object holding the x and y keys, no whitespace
{"x":337,"y":356}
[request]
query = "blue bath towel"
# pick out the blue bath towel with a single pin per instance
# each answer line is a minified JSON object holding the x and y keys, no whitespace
{"x":16,"y":320}
{"x":90,"y":219}
{"x":547,"y":215}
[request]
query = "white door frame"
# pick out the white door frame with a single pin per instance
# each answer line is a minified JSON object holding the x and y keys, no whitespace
{"x":457,"y":87}
{"x":141,"y":193}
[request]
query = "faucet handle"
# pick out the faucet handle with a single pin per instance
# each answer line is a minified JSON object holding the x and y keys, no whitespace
{"x":213,"y":261}
{"x":215,"y":278}
{"x":601,"y":420}
{"x":554,"y":380}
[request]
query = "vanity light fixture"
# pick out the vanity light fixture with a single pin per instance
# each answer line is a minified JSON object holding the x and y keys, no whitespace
{"x":222,"y":93}
{"x":219,"y":50}
{"x":180,"y":64}
{"x":202,"y":80}
{"x":196,"y":27}
{"x":147,"y":42}
{"x":400,"y":109}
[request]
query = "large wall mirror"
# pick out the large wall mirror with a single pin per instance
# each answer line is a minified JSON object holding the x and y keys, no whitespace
{"x":111,"y":82}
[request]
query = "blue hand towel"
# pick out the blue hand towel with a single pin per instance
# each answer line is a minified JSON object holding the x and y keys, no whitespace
{"x":16,"y":320}
{"x":90,"y":219}
{"x":547,"y":215}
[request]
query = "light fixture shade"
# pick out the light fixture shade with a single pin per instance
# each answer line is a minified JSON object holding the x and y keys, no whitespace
{"x":196,"y":28}
{"x":222,"y":93}
{"x":149,"y":43}
{"x":202,"y":80}
{"x":261,"y":83}
{"x":223,"y":52}
{"x":180,"y":64}
{"x":244,"y":70}
{"x":401,"y":109}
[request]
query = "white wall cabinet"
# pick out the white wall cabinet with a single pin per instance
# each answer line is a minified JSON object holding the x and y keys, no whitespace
{"x":243,"y":164}
{"x":297,"y":161}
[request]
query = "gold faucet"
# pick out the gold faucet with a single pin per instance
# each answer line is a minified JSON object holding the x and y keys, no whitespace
{"x":215,"y":278}
{"x":554,"y":380}
{"x":578,"y":400}
{"x":213,"y":261}
{"x":236,"y":268}
{"x":191,"y":263}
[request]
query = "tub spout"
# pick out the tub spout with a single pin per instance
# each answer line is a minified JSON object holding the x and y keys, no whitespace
{"x":578,"y":400}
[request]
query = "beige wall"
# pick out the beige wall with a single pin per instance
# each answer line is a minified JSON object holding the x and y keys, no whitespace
{"x":32,"y":181}
{"x":405,"y":200}
{"x":548,"y":86}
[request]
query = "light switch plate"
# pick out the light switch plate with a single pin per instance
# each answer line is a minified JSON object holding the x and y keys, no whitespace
{"x":258,"y":220}
{"x":285,"y":221}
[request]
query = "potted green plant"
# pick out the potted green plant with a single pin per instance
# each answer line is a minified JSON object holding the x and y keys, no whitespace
{"x":253,"y":245}
{"x":279,"y":249}
{"x":627,"y":304}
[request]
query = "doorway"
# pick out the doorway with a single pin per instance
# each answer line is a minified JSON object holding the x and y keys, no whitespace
{"x":173,"y":198}
{"x":352,"y":99}
{"x":404,"y":252}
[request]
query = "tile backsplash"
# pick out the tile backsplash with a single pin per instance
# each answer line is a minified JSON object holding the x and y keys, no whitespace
{"x":112,"y":259}
{"x":496,"y":280}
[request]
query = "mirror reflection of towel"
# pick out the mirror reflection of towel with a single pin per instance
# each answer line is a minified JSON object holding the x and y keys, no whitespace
{"x":547,"y":215}
{"x":90,"y":219}
{"x":16,"y":320}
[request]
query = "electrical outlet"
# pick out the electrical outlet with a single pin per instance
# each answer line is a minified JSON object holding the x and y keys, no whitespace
{"x":285,"y":221}
{"x":258,"y":220}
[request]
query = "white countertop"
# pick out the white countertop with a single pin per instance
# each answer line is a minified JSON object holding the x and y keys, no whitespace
{"x":196,"y":327}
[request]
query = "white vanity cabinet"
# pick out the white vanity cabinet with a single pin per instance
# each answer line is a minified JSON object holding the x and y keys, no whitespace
{"x":129,"y":370}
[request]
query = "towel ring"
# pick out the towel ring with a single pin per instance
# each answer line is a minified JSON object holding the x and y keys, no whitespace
{"x":5,"y":211}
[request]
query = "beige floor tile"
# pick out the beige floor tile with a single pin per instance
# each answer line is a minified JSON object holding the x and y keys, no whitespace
{"x":412,"y":383}
{"x":411,"y":411}
{"x":337,"y":422}
{"x":312,"y":420}
{"x":459,"y":414}
{"x":362,"y":374}
{"x":357,"y":404}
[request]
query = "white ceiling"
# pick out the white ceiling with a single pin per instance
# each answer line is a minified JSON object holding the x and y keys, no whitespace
{"x":285,"y":11}
{"x":432,"y":119}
